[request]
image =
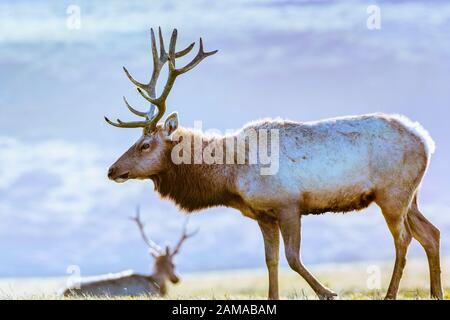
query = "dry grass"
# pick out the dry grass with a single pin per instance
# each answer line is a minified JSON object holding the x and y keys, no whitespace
{"x":348,"y":280}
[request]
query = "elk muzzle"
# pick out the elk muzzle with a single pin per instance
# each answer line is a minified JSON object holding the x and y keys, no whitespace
{"x":117,"y":175}
{"x":174,"y":278}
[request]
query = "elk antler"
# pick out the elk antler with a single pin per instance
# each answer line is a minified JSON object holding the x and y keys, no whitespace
{"x":184,"y":237}
{"x":151,"y":120}
{"x":151,"y":244}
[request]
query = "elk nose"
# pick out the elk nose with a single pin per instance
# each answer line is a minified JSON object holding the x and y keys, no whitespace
{"x":175,"y":279}
{"x":111,"y":172}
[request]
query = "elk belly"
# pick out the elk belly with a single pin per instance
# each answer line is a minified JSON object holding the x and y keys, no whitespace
{"x":338,"y":182}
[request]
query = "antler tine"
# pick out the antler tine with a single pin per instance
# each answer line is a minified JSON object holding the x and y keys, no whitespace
{"x":132,"y":124}
{"x":184,"y":237}
{"x":136,"y":112}
{"x":154,"y":50}
{"x":162,"y":50}
{"x":184,"y":51}
{"x":135,"y":82}
{"x":198,"y":58}
{"x":149,"y":115}
{"x":173,"y":43}
{"x":151,"y":244}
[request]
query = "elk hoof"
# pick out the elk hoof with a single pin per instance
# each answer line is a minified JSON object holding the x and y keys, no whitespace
{"x":328,"y":295}
{"x":437,"y":296}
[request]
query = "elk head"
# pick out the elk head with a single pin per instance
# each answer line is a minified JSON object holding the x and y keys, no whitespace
{"x":164,"y":267}
{"x":148,"y":156}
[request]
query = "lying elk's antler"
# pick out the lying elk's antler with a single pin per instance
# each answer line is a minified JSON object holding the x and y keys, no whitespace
{"x":151,"y":119}
{"x":184,"y":237}
{"x":151,"y":244}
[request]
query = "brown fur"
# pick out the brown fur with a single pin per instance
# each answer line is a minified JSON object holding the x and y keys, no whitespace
{"x":193,"y":187}
{"x":196,"y":186}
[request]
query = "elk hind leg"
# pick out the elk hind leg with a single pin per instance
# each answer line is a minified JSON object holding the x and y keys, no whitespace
{"x":428,"y":236}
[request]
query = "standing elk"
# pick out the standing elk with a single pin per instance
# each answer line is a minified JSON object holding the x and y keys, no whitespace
{"x":335,"y":165}
{"x":128,"y":283}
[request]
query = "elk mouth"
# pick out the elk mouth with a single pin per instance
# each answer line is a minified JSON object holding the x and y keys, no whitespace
{"x":122,"y":178}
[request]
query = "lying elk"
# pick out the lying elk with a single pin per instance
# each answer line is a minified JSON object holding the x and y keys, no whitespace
{"x":128,"y":283}
{"x":334,"y":165}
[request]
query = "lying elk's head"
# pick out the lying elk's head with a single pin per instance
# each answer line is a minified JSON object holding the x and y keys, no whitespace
{"x":164,"y":267}
{"x":147,"y":157}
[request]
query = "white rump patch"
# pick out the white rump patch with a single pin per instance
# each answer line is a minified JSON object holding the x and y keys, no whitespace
{"x":416,"y":128}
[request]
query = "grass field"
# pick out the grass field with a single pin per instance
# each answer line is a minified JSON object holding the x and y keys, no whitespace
{"x":350,"y":281}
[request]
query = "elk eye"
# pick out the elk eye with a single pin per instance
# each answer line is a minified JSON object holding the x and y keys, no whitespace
{"x":145,"y":146}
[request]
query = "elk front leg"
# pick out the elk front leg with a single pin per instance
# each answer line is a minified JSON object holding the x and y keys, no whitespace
{"x":271,"y":237}
{"x":289,"y":221}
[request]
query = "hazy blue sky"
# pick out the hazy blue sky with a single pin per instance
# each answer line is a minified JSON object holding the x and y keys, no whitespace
{"x":302,"y":60}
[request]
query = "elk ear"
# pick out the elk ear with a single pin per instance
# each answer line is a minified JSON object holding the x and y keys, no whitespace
{"x":167,"y":251}
{"x":171,"y":124}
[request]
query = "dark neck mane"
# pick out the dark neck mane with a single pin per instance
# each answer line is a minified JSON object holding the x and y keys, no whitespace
{"x":196,"y":186}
